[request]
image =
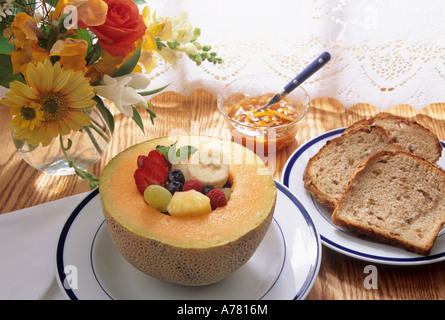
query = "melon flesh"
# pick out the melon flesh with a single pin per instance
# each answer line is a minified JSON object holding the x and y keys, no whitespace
{"x":189,"y":250}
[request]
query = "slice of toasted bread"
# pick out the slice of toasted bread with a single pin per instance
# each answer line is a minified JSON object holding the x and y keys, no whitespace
{"x":397,"y":198}
{"x":410,"y":135}
{"x":327,"y":173}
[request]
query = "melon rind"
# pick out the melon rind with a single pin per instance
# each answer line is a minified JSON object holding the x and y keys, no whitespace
{"x":186,"y":266}
{"x":189,"y":263}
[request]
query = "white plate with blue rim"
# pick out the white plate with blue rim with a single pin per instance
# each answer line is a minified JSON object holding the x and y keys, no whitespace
{"x":285,"y":266}
{"x":338,"y":238}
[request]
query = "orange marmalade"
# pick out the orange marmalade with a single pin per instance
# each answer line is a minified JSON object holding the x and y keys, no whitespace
{"x":278,"y":114}
{"x":268,"y":130}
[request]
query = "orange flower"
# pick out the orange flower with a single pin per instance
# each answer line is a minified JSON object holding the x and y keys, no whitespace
{"x":89,"y":12}
{"x":106,"y":65}
{"x":25,"y":36}
{"x":58,"y":11}
{"x":72,"y":53}
{"x":24,"y":29}
{"x":30,"y":53}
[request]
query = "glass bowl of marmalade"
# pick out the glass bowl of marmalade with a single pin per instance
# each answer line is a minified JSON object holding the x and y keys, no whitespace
{"x":263,"y":131}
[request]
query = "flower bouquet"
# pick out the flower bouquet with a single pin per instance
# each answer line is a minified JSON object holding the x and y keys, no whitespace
{"x":60,"y":58}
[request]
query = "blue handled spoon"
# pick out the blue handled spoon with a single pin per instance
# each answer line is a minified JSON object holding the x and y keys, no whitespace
{"x":316,"y":65}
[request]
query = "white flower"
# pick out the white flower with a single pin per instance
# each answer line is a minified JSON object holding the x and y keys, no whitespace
{"x":177,"y":29}
{"x":171,"y":56}
{"x":5,"y":9}
{"x":182,"y":29}
{"x":122,"y":91}
{"x":138,"y":80}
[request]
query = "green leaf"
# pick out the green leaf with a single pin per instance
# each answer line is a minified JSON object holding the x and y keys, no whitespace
{"x":84,"y":35}
{"x":70,"y":143}
{"x":173,"y":45}
{"x":93,"y":181}
{"x":128,"y":66}
{"x":93,"y":54}
{"x":109,"y":119}
{"x":159,"y":44}
{"x":139,"y":2}
{"x":137,"y":118}
{"x":163,"y":150}
{"x":31,"y":5}
{"x":173,"y":155}
{"x":5,"y":46}
{"x":6,"y":75}
{"x":153,"y":115}
{"x":184,"y":152}
{"x":52,"y":3}
{"x":147,"y":93}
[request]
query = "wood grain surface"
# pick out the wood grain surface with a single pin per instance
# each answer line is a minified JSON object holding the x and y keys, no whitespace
{"x":340,"y":277}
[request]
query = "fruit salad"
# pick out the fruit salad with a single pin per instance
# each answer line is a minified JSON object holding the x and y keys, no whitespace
{"x":195,"y":182}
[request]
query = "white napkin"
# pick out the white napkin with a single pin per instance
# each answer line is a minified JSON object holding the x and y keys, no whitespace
{"x":28,"y":240}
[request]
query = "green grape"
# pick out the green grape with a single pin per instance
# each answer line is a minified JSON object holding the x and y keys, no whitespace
{"x":227,"y":192}
{"x":157,"y":197}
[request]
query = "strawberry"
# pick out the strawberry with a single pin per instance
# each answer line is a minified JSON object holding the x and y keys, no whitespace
{"x":217,"y":198}
{"x":155,"y":166}
{"x":141,"y":160}
{"x":159,"y":158}
{"x":148,"y":163}
{"x":144,"y":178}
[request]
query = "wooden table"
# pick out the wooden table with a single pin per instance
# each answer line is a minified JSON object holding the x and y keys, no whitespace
{"x":340,"y":277}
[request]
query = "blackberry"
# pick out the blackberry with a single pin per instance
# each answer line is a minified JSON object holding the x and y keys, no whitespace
{"x":227,"y":185}
{"x":176,"y":175}
{"x":174,"y":186}
{"x":207,"y":189}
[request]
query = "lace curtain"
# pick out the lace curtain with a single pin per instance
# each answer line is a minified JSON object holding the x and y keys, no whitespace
{"x":384,"y":53}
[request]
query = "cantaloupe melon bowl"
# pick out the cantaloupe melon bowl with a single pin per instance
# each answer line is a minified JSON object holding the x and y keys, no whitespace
{"x":189,"y":250}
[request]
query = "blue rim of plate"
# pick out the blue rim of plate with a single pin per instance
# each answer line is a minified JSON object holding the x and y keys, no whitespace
{"x":60,"y":266}
{"x":302,"y":293}
{"x":336,"y":246}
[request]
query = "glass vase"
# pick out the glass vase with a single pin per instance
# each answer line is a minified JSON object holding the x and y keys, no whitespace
{"x":87,"y":147}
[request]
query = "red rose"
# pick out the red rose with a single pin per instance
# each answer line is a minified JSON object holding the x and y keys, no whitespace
{"x":124,"y":25}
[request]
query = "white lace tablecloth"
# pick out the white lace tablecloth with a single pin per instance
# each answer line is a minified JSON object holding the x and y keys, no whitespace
{"x":384,"y":53}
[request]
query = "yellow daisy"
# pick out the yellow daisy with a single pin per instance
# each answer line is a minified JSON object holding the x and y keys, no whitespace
{"x":62,"y":96}
{"x":27,"y":116}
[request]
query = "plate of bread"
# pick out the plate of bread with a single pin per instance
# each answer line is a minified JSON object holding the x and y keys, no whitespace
{"x":375,"y":190}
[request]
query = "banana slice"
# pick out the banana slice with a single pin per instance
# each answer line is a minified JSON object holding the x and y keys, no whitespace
{"x":209,"y":166}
